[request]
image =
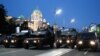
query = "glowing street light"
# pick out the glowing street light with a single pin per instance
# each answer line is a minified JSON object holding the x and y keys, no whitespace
{"x":72,"y":20}
{"x":58,"y":11}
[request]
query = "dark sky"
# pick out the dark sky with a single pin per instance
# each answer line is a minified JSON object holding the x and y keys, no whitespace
{"x":81,"y":12}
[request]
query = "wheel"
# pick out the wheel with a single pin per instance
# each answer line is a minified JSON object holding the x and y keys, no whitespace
{"x":39,"y":46}
{"x":94,"y":49}
{"x":51,"y":46}
{"x":72,"y":46}
{"x":79,"y":49}
{"x":6,"y":46}
{"x":18,"y":45}
{"x":56,"y":45}
{"x":26,"y":46}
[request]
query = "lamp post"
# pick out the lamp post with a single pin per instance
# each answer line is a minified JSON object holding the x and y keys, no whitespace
{"x":57,"y":13}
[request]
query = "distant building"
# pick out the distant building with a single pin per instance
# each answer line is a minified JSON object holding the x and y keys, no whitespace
{"x":98,"y":30}
{"x":20,"y":23}
{"x":92,"y":28}
{"x":8,"y":18}
{"x":85,"y":29}
{"x":36,"y":20}
{"x":20,"y":20}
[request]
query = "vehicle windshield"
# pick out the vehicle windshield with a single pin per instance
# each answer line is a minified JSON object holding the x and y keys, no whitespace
{"x":68,"y":34}
{"x":38,"y":34}
{"x":63,"y":33}
{"x":18,"y":35}
{"x":87,"y":35}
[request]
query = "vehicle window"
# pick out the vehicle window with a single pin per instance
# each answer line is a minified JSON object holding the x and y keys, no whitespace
{"x":38,"y":36}
{"x":64,"y":33}
{"x":87,"y":35}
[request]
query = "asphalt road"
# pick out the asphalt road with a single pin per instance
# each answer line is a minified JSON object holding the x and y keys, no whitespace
{"x":46,"y":52}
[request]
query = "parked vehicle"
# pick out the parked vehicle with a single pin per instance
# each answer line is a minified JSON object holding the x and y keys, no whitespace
{"x":87,"y":40}
{"x":14,"y":40}
{"x":1,"y":38}
{"x":39,"y":39}
{"x":66,"y":38}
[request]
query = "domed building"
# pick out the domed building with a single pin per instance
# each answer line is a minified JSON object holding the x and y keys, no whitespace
{"x":36,"y":20}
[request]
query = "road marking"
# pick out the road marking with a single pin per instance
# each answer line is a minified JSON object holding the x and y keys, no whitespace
{"x":85,"y":52}
{"x":56,"y":52}
{"x":10,"y":52}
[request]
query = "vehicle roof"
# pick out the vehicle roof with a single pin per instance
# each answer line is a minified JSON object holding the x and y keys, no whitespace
{"x":39,"y":33}
{"x":18,"y":33}
{"x":87,"y":33}
{"x":68,"y":33}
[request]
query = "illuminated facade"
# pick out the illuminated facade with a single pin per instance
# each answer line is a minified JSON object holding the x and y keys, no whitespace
{"x":36,"y":20}
{"x":92,"y":28}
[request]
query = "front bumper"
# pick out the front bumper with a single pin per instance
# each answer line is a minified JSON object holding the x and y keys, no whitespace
{"x":87,"y":46}
{"x":33,"y":43}
{"x":64,"y":43}
{"x":10,"y":44}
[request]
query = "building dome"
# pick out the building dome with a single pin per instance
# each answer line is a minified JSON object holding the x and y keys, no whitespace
{"x":37,"y":13}
{"x":21,"y":17}
{"x":36,"y":18}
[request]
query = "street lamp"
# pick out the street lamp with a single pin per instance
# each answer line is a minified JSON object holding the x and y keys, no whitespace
{"x":72,"y":20}
{"x":57,"y":12}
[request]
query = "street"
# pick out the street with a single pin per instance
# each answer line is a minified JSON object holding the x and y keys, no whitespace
{"x":46,"y":52}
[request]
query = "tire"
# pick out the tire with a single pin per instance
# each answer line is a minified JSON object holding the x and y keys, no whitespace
{"x":26,"y":46}
{"x":56,"y":45}
{"x":72,"y":46}
{"x":51,"y":46}
{"x":94,"y":49}
{"x":79,"y":49}
{"x":39,"y":46}
{"x":6,"y":46}
{"x":17,"y":45}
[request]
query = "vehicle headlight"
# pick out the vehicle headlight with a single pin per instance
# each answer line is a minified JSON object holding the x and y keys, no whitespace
{"x":60,"y":41}
{"x":57,"y":40}
{"x":92,"y":42}
{"x":71,"y":40}
{"x":26,"y":41}
{"x":6,"y":41}
{"x":80,"y":42}
{"x":12,"y":41}
{"x":35,"y":41}
{"x":68,"y":41}
{"x":38,"y":41}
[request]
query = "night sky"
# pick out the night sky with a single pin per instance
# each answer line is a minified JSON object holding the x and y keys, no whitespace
{"x":75,"y":13}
